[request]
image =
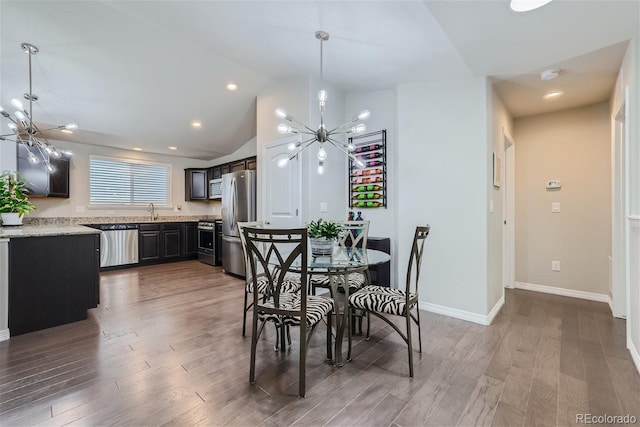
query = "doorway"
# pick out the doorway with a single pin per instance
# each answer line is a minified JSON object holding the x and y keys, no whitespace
{"x":619,"y":285}
{"x":281,"y":198}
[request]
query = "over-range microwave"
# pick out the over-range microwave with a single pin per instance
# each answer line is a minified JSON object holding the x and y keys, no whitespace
{"x":215,"y":188}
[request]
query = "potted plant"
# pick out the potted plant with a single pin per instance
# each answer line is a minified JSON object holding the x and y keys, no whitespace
{"x":322,"y":234}
{"x":14,"y":202}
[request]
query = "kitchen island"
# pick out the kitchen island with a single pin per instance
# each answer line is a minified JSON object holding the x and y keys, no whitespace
{"x":49,"y":276}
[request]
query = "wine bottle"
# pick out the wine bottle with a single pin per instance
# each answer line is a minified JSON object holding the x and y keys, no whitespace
{"x":369,"y":187}
{"x":367,"y":196}
{"x":365,"y":148}
{"x":367,"y":204}
{"x":368,"y":180}
{"x":361,"y":172}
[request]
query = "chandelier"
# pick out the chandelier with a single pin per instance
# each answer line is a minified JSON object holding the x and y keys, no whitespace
{"x":24,"y":130}
{"x":322,"y":135}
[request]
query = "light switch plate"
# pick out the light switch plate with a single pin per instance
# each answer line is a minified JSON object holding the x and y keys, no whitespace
{"x":555,"y":207}
{"x":324,"y":207}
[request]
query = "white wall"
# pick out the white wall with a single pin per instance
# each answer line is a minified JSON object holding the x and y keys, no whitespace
{"x":330,"y":187}
{"x":629,"y":79}
{"x":572,"y":146}
{"x":249,"y":149}
{"x":7,"y":156}
{"x":442,"y":181}
{"x":291,"y":94}
{"x":79,"y":185}
{"x":499,"y":121}
{"x":298,"y":96}
{"x":381,"y":104}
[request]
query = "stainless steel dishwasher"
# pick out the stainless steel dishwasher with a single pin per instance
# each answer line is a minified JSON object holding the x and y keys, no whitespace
{"x":118,"y":244}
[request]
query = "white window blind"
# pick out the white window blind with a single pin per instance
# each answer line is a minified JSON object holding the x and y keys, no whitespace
{"x":127,"y":182}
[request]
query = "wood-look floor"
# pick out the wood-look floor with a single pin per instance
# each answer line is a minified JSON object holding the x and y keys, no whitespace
{"x":165,"y":348}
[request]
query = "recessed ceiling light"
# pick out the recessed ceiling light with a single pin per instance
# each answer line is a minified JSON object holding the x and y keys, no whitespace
{"x":526,"y":5}
{"x":549,"y":74}
{"x":196,"y":124}
{"x":232,"y":86}
{"x":137,"y":149}
{"x":172,"y":148}
{"x":553,"y":95}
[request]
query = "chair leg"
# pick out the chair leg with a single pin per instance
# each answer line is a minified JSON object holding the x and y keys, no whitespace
{"x":288,"y":334}
{"x":368,"y":326}
{"x":254,"y":343}
{"x":351,"y":313}
{"x":419,"y":332}
{"x":244,"y":315}
{"x":283,"y":347}
{"x":303,"y":359}
{"x":329,"y":336}
{"x":409,"y":342}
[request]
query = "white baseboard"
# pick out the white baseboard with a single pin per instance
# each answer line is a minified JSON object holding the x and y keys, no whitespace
{"x":461,"y":314}
{"x":4,"y":334}
{"x":564,"y":292}
{"x":634,"y":353}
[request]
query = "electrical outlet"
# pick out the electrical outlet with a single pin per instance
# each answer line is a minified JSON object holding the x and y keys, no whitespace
{"x":555,"y":265}
{"x":555,"y":207}
{"x":324,"y":207}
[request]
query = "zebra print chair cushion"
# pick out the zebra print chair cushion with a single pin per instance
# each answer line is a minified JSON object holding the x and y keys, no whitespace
{"x":356,"y":281}
{"x":317,"y":308}
{"x":381,"y":300}
{"x":290,"y":285}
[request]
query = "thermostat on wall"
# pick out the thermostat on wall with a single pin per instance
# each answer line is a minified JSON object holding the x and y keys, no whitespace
{"x":553,"y":185}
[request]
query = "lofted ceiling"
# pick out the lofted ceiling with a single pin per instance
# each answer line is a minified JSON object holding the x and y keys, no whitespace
{"x":137,"y":73}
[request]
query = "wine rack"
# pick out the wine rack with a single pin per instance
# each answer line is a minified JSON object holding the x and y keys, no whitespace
{"x":368,"y":184}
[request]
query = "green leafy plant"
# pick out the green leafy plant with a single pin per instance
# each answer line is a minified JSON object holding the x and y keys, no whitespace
{"x":321,"y":228}
{"x":13,"y":195}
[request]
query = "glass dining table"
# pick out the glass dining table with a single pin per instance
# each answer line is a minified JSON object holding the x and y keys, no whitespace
{"x":338,"y":266}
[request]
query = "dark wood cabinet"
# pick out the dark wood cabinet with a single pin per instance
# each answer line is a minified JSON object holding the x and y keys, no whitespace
{"x":251,"y":163}
{"x":190,"y":239}
{"x":61,"y":289}
{"x":171,"y":237}
{"x":167,"y":241}
{"x":149,"y":242}
{"x":41,"y":182}
{"x":59,"y":178}
{"x":196,"y":184}
{"x":237,"y":166}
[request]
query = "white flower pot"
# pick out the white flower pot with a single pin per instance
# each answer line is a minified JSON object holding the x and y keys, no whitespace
{"x":11,"y":218}
{"x":321,"y":246}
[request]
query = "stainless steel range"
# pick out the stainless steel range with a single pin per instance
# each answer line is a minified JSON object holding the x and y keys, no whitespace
{"x":207,"y":242}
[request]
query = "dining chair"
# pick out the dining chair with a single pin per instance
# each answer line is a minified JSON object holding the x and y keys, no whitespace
{"x":291,"y":284}
{"x":275,"y":253}
{"x":355,"y":235}
{"x":382,"y":301}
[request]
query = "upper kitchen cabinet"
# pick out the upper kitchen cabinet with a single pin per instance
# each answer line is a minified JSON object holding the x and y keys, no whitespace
{"x":41,"y":182}
{"x":218,"y":171}
{"x":251,"y":163}
{"x":196,"y":184}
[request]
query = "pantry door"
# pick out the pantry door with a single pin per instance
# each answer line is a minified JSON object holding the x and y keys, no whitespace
{"x":280,"y":193}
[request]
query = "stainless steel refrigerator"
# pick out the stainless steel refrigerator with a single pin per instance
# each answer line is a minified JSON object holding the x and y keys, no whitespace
{"x":238,"y":205}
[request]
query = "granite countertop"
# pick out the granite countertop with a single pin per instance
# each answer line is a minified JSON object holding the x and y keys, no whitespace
{"x":44,"y":230}
{"x":84,"y":220}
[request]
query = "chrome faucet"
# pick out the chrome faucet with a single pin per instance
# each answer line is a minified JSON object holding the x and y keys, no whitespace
{"x":152,"y":210}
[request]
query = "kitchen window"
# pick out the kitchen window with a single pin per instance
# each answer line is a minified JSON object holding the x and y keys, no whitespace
{"x":128,"y":182}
